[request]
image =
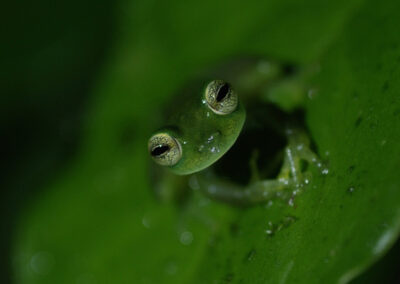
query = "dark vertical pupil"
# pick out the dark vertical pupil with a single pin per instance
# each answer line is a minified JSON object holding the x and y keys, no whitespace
{"x":159,"y":150}
{"x":222,"y":92}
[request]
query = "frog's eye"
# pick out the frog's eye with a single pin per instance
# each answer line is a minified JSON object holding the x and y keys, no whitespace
{"x":220,"y":97}
{"x":164,"y":149}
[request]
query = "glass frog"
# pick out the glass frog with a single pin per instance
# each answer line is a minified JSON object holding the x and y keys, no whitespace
{"x":237,"y":135}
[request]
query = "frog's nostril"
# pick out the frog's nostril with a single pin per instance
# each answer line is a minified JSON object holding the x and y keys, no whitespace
{"x":159,"y":150}
{"x":222,"y":92}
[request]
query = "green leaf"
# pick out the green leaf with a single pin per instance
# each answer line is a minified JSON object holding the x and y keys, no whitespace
{"x":100,"y":223}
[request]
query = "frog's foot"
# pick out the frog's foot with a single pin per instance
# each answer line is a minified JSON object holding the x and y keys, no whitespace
{"x":298,"y":150}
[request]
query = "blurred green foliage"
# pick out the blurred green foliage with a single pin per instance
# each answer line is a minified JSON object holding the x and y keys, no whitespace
{"x":49,"y":53}
{"x":97,"y":221}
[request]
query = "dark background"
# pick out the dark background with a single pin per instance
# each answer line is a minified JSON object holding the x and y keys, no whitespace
{"x":52,"y":53}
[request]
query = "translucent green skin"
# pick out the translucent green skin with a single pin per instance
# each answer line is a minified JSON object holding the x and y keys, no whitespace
{"x":206,"y":136}
{"x":203,"y":135}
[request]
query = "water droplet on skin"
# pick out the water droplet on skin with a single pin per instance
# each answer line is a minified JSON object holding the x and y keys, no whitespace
{"x":42,"y":263}
{"x":213,"y":137}
{"x":186,"y":238}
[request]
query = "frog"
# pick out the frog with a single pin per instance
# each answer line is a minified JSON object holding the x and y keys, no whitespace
{"x":237,"y":134}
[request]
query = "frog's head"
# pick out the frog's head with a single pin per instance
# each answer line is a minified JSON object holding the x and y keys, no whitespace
{"x":200,"y":131}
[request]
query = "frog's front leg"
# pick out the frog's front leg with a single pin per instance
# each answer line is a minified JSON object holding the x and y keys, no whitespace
{"x":226,"y":191}
{"x":291,"y":176}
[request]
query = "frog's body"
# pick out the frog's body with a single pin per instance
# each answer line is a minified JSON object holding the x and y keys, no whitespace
{"x":205,"y":123}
